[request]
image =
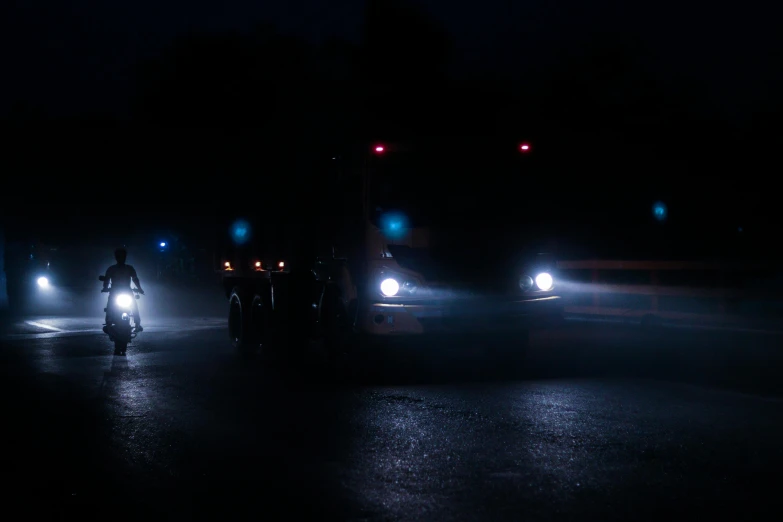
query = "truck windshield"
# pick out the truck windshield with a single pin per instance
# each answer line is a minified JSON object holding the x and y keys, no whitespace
{"x":441,"y":186}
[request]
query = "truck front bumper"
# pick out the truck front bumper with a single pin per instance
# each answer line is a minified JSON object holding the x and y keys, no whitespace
{"x":459,"y":316}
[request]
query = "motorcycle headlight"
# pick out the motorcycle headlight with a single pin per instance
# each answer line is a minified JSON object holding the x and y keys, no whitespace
{"x":544,"y":281}
{"x":124,"y":301}
{"x":43,"y":282}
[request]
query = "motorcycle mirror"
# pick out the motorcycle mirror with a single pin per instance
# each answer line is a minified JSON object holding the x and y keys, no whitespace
{"x":101,"y":278}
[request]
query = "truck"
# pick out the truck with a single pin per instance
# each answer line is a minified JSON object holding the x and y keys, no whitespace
{"x":391,"y":241}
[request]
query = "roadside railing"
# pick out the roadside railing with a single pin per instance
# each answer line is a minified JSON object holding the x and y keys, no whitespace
{"x":672,"y":291}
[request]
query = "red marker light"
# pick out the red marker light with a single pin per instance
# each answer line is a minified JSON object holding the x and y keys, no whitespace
{"x":524,"y":147}
{"x":379,"y":149}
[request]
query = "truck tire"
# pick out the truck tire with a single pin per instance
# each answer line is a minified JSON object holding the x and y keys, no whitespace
{"x":239,"y":327}
{"x":259,"y":324}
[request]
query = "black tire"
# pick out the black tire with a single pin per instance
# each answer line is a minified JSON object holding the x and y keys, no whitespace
{"x":259,"y":325}
{"x":239,"y":327}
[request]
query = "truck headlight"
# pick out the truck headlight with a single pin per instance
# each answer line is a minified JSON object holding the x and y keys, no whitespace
{"x":390,"y":287}
{"x":124,"y":301}
{"x":544,"y":281}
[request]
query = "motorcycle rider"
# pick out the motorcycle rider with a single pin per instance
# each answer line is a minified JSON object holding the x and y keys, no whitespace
{"x":120,"y":276}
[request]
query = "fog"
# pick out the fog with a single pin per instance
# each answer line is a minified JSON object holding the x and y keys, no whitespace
{"x":159,"y":301}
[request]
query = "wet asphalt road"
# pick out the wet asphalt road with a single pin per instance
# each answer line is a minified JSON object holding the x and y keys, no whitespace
{"x":604,"y":424}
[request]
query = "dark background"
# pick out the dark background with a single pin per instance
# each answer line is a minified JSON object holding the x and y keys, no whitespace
{"x":142,"y":122}
{"x":150,"y":117}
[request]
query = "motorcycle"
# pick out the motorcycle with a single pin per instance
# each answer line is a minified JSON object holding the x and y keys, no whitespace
{"x":121,"y":326}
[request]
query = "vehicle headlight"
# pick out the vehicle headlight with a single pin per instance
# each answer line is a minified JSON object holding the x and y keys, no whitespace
{"x":392,"y":284}
{"x":390,"y":287}
{"x":544,"y":281}
{"x":43,"y":282}
{"x":124,"y":301}
{"x":525,"y":283}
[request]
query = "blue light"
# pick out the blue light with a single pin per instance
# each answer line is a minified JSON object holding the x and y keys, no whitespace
{"x":162,"y":244}
{"x":394,"y":225}
{"x":660,"y":211}
{"x":240,"y":231}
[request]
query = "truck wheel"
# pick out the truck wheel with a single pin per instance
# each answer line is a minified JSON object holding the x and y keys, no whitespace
{"x":259,"y":324}
{"x":239,"y":327}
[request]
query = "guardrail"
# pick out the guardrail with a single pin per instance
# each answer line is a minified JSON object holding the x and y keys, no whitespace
{"x":681,"y":291}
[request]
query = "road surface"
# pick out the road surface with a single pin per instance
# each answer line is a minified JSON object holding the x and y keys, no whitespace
{"x":599,"y":426}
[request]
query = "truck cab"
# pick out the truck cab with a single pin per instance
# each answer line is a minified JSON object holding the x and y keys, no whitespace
{"x":411,"y":239}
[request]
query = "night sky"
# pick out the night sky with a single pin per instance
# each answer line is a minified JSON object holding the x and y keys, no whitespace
{"x":724,"y":59}
{"x":727,"y":53}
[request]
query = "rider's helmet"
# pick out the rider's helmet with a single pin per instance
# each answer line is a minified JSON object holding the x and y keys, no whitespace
{"x":121,"y":255}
